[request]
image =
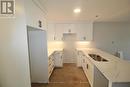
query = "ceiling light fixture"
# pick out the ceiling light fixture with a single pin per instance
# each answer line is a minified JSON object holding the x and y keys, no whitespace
{"x":77,"y":10}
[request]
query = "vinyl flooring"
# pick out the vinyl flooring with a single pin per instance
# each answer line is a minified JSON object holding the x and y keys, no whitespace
{"x":68,"y":76}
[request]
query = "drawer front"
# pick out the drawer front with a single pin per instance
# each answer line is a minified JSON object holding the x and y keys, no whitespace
{"x":50,"y":65}
{"x":50,"y":70}
{"x":51,"y":61}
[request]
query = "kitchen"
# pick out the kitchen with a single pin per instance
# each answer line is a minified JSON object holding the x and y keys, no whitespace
{"x":85,"y":42}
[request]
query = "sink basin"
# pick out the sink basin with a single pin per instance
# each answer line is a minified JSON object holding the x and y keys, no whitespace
{"x":97,"y":57}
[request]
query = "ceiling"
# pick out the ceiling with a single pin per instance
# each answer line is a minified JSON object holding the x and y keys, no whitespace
{"x":105,"y":10}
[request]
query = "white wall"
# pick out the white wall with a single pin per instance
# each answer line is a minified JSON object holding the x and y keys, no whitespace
{"x":34,"y":13}
{"x":112,"y":36}
{"x":14,"y":62}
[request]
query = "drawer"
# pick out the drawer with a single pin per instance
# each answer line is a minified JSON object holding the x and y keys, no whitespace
{"x":51,"y":58}
{"x":51,"y":70}
{"x":51,"y":61}
{"x":51,"y":65}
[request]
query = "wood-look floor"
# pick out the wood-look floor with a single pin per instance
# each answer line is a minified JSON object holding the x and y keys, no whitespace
{"x":68,"y":76}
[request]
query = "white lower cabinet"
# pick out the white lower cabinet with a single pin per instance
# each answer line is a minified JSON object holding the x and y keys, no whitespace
{"x":90,"y":71}
{"x":95,"y":77}
{"x":79,"y":58}
{"x":55,"y":60}
{"x":87,"y":66}
{"x":101,"y":81}
{"x":84,"y":63}
{"x":58,"y":58}
{"x":51,"y":65}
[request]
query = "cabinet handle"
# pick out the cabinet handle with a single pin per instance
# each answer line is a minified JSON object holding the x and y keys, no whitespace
{"x":87,"y":66}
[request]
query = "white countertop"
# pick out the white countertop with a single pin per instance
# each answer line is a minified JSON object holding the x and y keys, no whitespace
{"x":115,"y":70}
{"x":50,"y":51}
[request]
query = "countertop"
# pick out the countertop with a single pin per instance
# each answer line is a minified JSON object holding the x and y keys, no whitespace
{"x":115,"y":70}
{"x":50,"y":51}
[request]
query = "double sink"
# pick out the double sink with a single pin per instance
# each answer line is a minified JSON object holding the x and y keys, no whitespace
{"x":97,"y":57}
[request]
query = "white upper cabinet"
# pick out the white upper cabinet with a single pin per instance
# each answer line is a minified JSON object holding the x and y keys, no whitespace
{"x":69,"y":28}
{"x":59,"y":29}
{"x":84,"y":31}
{"x":35,"y":17}
{"x":51,"y":32}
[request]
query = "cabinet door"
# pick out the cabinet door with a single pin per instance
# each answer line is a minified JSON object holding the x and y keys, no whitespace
{"x":79,"y":59}
{"x":90,"y":71}
{"x":69,"y":28}
{"x":84,"y":31}
{"x":51,"y":32}
{"x":38,"y":56}
{"x":84,"y":63}
{"x":64,"y":28}
{"x":58,"y":59}
{"x":100,"y":80}
{"x":51,"y":64}
{"x":59,"y":32}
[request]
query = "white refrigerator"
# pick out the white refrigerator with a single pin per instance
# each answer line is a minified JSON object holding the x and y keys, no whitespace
{"x":38,"y":55}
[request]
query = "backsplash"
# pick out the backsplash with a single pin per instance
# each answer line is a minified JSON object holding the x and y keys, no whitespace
{"x":55,"y":44}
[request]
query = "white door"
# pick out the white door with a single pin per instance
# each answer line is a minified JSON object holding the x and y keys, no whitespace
{"x":38,"y":56}
{"x":69,"y":48}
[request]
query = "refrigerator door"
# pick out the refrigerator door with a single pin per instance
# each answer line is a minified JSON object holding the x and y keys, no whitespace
{"x":38,"y":56}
